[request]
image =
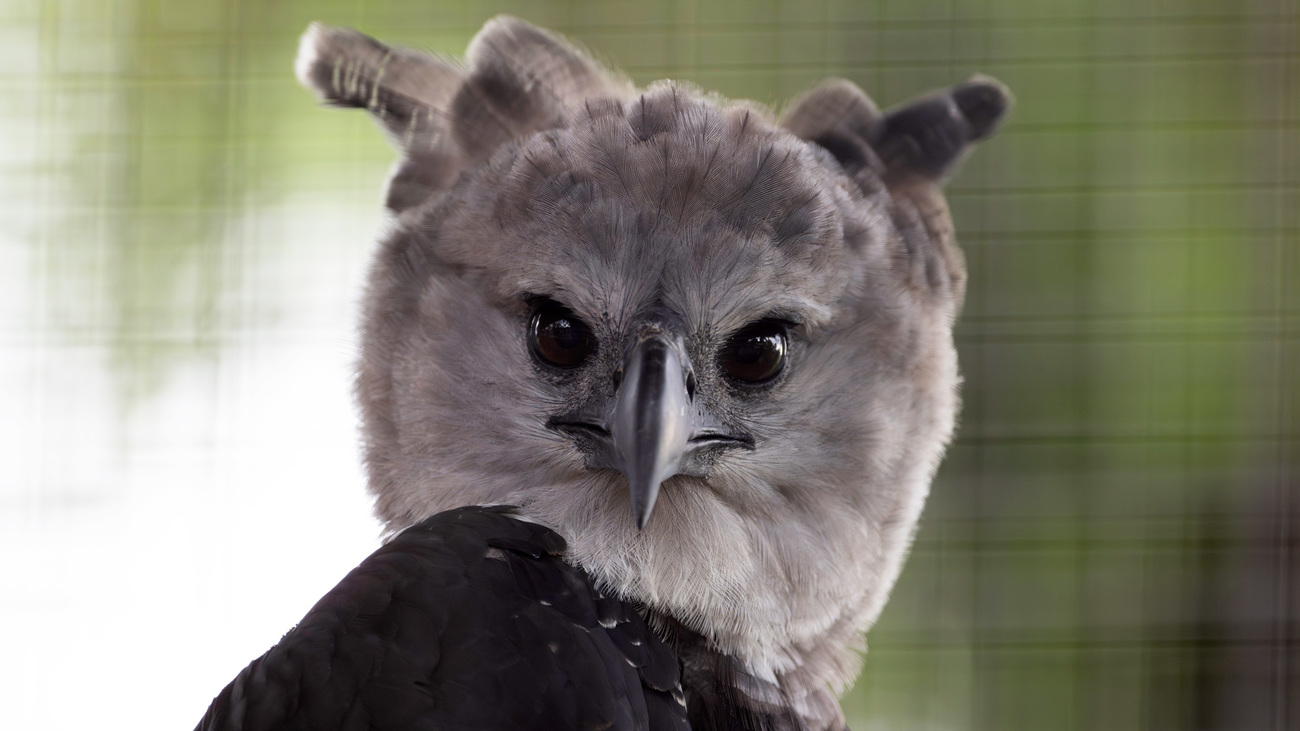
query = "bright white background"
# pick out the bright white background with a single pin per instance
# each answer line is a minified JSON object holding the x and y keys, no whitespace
{"x":155,"y":537}
{"x":150,"y":550}
{"x":180,"y":262}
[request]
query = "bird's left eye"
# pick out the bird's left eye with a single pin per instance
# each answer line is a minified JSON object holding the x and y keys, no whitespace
{"x":756,"y":354}
{"x":557,"y":337}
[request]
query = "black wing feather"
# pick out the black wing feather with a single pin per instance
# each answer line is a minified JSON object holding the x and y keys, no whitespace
{"x":470,"y":619}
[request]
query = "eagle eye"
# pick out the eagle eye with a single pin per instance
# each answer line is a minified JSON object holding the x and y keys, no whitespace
{"x":756,"y":354}
{"x":557,"y":337}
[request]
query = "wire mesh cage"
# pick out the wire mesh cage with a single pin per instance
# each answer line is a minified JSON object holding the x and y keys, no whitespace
{"x":1111,"y":542}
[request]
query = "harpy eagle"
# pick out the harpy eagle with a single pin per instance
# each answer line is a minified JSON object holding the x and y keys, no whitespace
{"x":653,"y":388}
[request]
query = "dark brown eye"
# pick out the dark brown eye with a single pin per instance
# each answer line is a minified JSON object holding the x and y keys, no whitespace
{"x":557,"y":337}
{"x":756,"y":354}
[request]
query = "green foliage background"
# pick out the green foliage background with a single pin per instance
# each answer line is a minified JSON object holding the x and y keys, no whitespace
{"x":1112,"y":542}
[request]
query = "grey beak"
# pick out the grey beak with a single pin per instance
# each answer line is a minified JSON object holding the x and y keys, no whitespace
{"x":651,"y":429}
{"x":651,"y":423}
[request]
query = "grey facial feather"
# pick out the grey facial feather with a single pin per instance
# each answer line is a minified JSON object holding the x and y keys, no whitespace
{"x":530,"y":171}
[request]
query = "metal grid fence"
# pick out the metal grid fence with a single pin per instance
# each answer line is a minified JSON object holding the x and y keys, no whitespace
{"x":1112,"y":541}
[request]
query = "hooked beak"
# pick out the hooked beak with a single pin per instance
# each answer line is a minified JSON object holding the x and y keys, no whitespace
{"x":652,"y":429}
{"x":650,"y":425}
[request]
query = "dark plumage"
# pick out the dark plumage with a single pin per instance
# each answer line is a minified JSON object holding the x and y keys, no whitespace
{"x":469,"y":620}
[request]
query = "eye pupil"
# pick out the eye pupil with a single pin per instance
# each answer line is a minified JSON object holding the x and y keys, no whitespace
{"x":566,"y":335}
{"x":557,"y":337}
{"x":756,"y":354}
{"x":750,"y":352}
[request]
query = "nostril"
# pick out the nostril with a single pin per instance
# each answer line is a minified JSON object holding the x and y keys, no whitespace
{"x":690,"y":385}
{"x":618,"y":377}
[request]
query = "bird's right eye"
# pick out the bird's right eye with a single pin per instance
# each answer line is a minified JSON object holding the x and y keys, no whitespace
{"x":557,"y":337}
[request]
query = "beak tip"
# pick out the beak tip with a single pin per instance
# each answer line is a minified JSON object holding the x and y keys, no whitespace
{"x":643,"y":503}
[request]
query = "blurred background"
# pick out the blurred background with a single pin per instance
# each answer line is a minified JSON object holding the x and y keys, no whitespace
{"x":1111,"y":543}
